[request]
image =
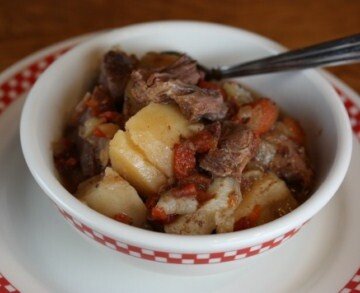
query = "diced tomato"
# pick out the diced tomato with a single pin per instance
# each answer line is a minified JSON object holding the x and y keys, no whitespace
{"x":158,"y":214}
{"x":93,"y":104}
{"x":248,"y":221}
{"x":110,"y":116}
{"x":202,"y":196}
{"x":159,"y":217}
{"x":202,"y":182}
{"x":184,"y":159}
{"x":97,"y":132}
{"x":296,"y":133}
{"x":204,"y":141}
{"x":212,"y":86}
{"x":188,"y":190}
{"x":123,"y":218}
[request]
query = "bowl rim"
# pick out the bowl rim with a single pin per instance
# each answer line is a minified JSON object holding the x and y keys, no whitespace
{"x":183,"y":243}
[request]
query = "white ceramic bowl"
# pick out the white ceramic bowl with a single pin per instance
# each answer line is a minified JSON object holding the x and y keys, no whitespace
{"x":304,"y":95}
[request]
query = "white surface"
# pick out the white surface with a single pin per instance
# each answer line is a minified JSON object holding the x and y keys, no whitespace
{"x":39,"y":252}
{"x":301,"y":94}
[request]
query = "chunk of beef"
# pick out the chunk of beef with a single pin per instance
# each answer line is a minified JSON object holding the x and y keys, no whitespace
{"x":237,"y":146}
{"x":157,"y":61}
{"x":138,"y":93}
{"x":89,"y":157}
{"x":195,"y":103}
{"x":66,"y":159}
{"x":115,"y":72}
{"x":289,"y":162}
{"x":92,"y":150}
{"x":183,"y":69}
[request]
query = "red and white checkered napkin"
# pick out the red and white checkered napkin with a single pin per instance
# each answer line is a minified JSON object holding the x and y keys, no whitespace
{"x":5,"y":285}
{"x":353,"y":285}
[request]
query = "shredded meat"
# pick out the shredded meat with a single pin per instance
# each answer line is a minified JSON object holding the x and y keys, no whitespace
{"x":236,"y":147}
{"x":195,"y":103}
{"x":115,"y":72}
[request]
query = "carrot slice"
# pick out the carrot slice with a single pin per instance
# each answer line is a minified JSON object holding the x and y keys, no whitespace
{"x":265,"y":113}
{"x":259,"y":115}
{"x":296,"y":133}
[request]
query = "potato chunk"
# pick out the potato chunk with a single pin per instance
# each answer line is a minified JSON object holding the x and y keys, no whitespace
{"x":110,"y":195}
{"x":155,"y":129}
{"x":271,"y":195}
{"x":130,"y":163}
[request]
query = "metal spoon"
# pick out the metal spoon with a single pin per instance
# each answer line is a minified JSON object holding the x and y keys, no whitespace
{"x":344,"y":50}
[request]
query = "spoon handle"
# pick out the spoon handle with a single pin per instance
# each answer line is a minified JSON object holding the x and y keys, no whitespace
{"x":334,"y":52}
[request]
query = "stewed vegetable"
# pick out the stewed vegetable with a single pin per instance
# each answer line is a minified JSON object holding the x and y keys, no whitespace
{"x":156,"y":146}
